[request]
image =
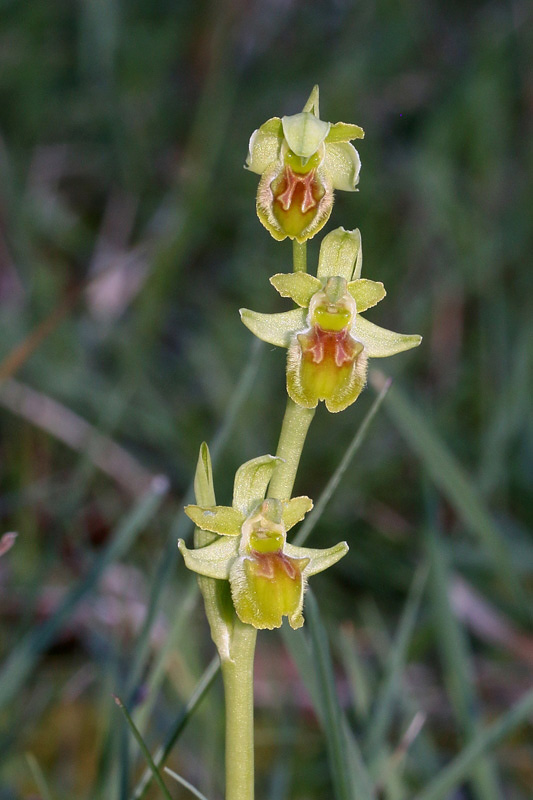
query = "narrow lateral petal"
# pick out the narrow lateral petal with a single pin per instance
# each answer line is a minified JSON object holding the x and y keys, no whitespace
{"x":380,"y":342}
{"x":265,"y":146}
{"x":319,"y":560}
{"x":344,"y":132}
{"x":213,"y":561}
{"x":299,"y":286}
{"x":223,"y":520}
{"x":274,"y":328}
{"x":295,"y":510}
{"x":366,"y":293}
{"x":251,"y":481}
{"x":342,"y":166}
{"x":338,"y":254}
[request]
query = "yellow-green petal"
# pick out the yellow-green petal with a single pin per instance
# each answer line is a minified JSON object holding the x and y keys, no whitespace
{"x":339,"y":254}
{"x":212,"y":561}
{"x":274,"y":328}
{"x":351,"y":390}
{"x":366,"y":293}
{"x":295,"y":510}
{"x":265,"y":146}
{"x":224,"y":520}
{"x":344,"y":132}
{"x":304,"y":133}
{"x":296,"y":389}
{"x":380,"y":342}
{"x":342,"y":166}
{"x":251,"y":481}
{"x":299,"y":286}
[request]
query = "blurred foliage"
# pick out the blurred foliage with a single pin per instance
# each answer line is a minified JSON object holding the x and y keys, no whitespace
{"x":123,"y":202}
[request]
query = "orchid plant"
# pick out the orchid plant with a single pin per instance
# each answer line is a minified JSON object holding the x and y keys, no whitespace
{"x":250,"y":576}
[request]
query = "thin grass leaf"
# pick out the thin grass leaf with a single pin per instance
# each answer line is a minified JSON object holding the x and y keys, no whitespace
{"x":162,"y":753}
{"x":457,"y":667}
{"x":20,"y":354}
{"x":513,"y":405}
{"x":192,"y":789}
{"x":452,"y":480}
{"x":388,"y":693}
{"x":155,"y":772}
{"x":160,"y":660}
{"x":451,"y":777}
{"x":189,"y":198}
{"x":25,"y":656}
{"x":300,"y":652}
{"x":38,"y":777}
{"x":375,"y":627}
{"x":283,"y":764}
{"x":349,"y":775}
{"x":331,"y":486}
{"x":396,"y":760}
{"x":355,"y":670}
{"x":106,"y":772}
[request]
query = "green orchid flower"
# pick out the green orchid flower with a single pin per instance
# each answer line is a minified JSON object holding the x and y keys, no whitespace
{"x":301,"y":160}
{"x":267,"y":575}
{"x":329,"y":342}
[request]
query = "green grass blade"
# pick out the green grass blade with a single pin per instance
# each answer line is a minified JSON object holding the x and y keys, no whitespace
{"x":300,"y":652}
{"x":327,"y":692}
{"x":157,"y":671}
{"x":155,"y":772}
{"x":452,"y":776}
{"x":388,"y":693}
{"x":452,"y":480}
{"x":356,"y":671}
{"x":25,"y":656}
{"x":162,"y":753}
{"x":192,"y":789}
{"x":38,"y":777}
{"x":305,"y":529}
{"x":349,"y":776}
{"x":457,"y":667}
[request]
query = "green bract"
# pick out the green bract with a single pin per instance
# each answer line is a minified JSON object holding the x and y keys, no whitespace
{"x":328,"y":341}
{"x":267,"y":575}
{"x":301,"y":160}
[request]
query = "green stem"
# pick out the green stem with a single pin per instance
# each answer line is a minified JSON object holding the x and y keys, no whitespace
{"x":299,"y":256}
{"x":291,"y":441}
{"x":238,"y":676}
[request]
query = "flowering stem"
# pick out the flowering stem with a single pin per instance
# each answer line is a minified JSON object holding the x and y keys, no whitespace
{"x":299,"y":256}
{"x":291,"y":441}
{"x":296,"y":420}
{"x":238,"y":677}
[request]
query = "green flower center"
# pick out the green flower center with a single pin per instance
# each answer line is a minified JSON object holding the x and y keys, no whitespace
{"x":266,"y":541}
{"x":332,"y":317}
{"x":301,"y":165}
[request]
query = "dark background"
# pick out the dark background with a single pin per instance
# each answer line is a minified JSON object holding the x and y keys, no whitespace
{"x":128,"y":230}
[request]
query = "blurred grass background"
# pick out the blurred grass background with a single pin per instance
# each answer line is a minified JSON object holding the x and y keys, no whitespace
{"x":128,"y":241}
